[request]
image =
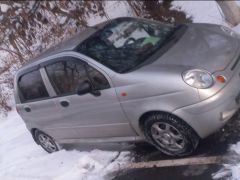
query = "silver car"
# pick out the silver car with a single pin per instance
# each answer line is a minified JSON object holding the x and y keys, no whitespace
{"x":132,"y":79}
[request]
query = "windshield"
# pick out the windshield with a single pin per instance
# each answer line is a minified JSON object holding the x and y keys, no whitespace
{"x":126,"y":43}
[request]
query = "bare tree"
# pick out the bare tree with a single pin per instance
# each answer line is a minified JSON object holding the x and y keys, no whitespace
{"x":28,"y":27}
{"x":230,"y":10}
{"x":158,"y":10}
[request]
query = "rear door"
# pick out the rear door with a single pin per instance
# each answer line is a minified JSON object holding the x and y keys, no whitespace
{"x":37,"y":108}
{"x":90,"y":115}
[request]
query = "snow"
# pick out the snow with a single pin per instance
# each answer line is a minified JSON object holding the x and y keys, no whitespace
{"x":230,"y":170}
{"x":113,"y":9}
{"x":238,"y":2}
{"x":52,"y":4}
{"x":4,"y":7}
{"x":201,"y":11}
{"x":62,"y":20}
{"x":235,"y":168}
{"x":237,"y":28}
{"x":22,"y":159}
{"x":116,"y":9}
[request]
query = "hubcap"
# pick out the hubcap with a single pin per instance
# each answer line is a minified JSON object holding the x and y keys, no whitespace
{"x":47,"y":143}
{"x":167,"y":136}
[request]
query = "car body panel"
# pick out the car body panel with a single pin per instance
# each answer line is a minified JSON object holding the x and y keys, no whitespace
{"x":211,"y":114}
{"x":148,"y":89}
{"x":78,"y":120}
{"x":198,"y":46}
{"x":88,"y":115}
{"x":156,"y":86}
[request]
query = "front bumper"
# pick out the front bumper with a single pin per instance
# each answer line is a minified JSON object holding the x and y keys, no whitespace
{"x":210,"y":115}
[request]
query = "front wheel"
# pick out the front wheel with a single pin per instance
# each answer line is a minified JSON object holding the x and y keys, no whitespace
{"x":170,"y":135}
{"x":46,"y":141}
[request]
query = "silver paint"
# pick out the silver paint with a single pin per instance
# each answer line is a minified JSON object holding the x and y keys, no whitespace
{"x":154,"y":87}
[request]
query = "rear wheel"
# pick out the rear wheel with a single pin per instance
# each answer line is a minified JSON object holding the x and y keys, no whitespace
{"x":170,"y":134}
{"x":46,"y":141}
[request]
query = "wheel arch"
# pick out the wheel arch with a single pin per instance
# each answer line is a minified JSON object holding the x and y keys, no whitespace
{"x":33,"y":131}
{"x":144,"y":116}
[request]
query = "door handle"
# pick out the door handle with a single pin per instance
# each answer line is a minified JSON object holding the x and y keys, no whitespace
{"x":27,"y":109}
{"x":64,"y":103}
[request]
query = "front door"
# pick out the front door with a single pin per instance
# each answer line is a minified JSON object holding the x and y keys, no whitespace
{"x":94,"y":114}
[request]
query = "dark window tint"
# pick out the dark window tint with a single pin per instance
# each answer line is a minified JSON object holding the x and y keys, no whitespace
{"x":125,"y":43}
{"x":66,"y":75}
{"x":32,"y":87}
{"x":99,"y":81}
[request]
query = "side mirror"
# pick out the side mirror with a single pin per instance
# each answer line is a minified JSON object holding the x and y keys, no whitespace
{"x":84,"y":88}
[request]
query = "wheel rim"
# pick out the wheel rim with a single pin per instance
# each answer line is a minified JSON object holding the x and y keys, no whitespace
{"x":47,"y":143}
{"x":167,"y":136}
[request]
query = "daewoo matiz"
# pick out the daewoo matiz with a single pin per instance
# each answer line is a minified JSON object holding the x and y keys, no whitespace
{"x":132,"y":79}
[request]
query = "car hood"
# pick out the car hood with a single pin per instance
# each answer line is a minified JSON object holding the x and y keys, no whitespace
{"x":202,"y":46}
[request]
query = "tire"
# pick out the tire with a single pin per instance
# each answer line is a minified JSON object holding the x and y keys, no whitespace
{"x":46,"y":142}
{"x":170,"y":134}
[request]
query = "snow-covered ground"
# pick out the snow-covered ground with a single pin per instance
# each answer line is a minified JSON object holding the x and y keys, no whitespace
{"x":201,"y":11}
{"x":22,"y":159}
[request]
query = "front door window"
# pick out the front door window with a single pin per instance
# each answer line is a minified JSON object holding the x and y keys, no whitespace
{"x":68,"y":73}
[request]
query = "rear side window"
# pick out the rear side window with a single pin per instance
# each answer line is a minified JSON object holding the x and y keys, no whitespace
{"x":32,"y":87}
{"x":66,"y":76}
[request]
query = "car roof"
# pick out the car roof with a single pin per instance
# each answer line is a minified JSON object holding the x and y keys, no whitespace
{"x":71,"y":43}
{"x":68,"y":44}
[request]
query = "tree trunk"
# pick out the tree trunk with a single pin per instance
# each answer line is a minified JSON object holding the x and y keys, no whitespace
{"x":230,"y":10}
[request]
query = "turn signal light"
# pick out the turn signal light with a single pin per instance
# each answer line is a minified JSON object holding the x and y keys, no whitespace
{"x":123,"y":94}
{"x":221,"y":79}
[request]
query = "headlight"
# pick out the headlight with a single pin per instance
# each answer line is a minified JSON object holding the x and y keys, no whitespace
{"x":198,"y":78}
